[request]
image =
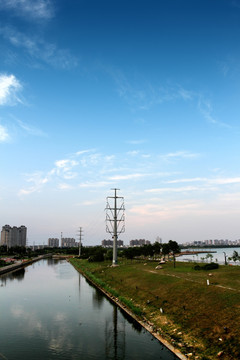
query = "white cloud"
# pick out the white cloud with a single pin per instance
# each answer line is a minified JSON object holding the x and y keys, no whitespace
{"x":4,"y":136}
{"x":166,"y":210}
{"x":133,"y":153}
{"x":31,"y":130}
{"x":127,"y":177}
{"x":180,"y":154}
{"x":96,"y":184}
{"x":64,"y":186}
{"x":81,"y":152}
{"x":135,"y":142}
{"x":224,"y":181}
{"x":40,"y":50}
{"x":172,"y":189}
{"x":66,"y":164}
{"x":9,"y":89}
{"x":206,"y":110}
{"x":214,"y":181}
{"x":177,"y":181}
{"x":38,"y":180}
{"x":185,"y":94}
{"x":41,"y":9}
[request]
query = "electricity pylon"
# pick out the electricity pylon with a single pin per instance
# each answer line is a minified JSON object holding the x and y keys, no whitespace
{"x":115,"y":219}
{"x":80,"y":233}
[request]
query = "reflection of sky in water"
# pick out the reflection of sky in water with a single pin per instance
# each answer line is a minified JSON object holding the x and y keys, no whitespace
{"x":218,"y":255}
{"x":55,"y":314}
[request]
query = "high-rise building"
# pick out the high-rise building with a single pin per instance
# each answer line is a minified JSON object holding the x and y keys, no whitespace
{"x":139,"y":242}
{"x":109,"y":243}
{"x":53,"y":242}
{"x":68,"y":242}
{"x":14,"y":236}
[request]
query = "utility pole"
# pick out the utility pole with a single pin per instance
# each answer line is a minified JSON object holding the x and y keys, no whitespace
{"x":80,"y":240}
{"x":115,"y":219}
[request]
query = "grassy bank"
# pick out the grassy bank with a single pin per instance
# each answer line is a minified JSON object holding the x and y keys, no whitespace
{"x":199,"y":319}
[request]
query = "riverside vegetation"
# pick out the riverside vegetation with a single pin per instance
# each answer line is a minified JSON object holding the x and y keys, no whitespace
{"x":202,"y":321}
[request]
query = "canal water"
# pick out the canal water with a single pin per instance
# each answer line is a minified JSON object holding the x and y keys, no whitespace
{"x":49,"y":311}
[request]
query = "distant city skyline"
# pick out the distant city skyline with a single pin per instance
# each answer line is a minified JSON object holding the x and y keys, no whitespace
{"x":137,"y":95}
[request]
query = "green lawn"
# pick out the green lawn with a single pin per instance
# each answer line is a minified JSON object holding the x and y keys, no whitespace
{"x":200,"y":319}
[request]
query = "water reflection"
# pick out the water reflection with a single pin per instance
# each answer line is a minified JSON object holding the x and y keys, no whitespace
{"x":135,"y":325}
{"x":51,"y":261}
{"x":14,"y":275}
{"x":98,"y":298}
{"x":115,"y":338}
{"x":54,"y":314}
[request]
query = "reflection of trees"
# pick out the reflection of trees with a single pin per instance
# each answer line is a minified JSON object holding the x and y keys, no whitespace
{"x":51,"y":261}
{"x":135,"y":325}
{"x":115,"y":338}
{"x":14,"y":275}
{"x":19,"y":275}
{"x":98,"y":298}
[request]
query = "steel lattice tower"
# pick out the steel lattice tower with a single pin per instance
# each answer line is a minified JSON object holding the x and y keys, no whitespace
{"x":115,"y":219}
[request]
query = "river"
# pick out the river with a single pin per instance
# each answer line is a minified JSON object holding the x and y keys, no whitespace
{"x":218,"y":255}
{"x":49,"y":311}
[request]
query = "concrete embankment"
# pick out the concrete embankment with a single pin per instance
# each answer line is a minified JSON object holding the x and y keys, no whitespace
{"x":21,"y":264}
{"x":142,"y":321}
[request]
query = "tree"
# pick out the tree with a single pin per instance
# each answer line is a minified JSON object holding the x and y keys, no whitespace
{"x":165,"y":250}
{"x":235,"y":256}
{"x":209,"y":256}
{"x":174,"y":248}
{"x":157,"y":247}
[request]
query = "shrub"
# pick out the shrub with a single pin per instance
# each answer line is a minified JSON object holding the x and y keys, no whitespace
{"x":210,"y":266}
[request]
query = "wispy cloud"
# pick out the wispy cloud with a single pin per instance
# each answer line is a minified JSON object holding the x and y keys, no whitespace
{"x":29,"y":129}
{"x":172,"y":189}
{"x":133,"y":152}
{"x":97,"y":184}
{"x":141,"y":95}
{"x":235,"y":3}
{"x":180,"y":155}
{"x":65,"y":171}
{"x":64,"y":168}
{"x":4,"y":136}
{"x":39,"y":49}
{"x":64,"y":186}
{"x":38,"y":180}
{"x":128,"y":176}
{"x":165,"y":210}
{"x":10,"y":88}
{"x":177,"y":181}
{"x":135,"y":142}
{"x":30,"y":9}
{"x":206,"y":110}
{"x":210,"y":181}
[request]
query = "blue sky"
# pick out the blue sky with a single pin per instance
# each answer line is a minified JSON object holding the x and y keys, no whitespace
{"x":139,"y":95}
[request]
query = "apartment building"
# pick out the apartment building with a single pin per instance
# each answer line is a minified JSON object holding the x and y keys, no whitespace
{"x":14,"y":236}
{"x":53,"y":242}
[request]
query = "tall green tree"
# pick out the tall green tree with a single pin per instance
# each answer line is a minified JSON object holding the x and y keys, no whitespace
{"x":174,"y":249}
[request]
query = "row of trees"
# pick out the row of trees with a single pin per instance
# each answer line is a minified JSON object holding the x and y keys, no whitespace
{"x":156,"y":250}
{"x":98,"y":253}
